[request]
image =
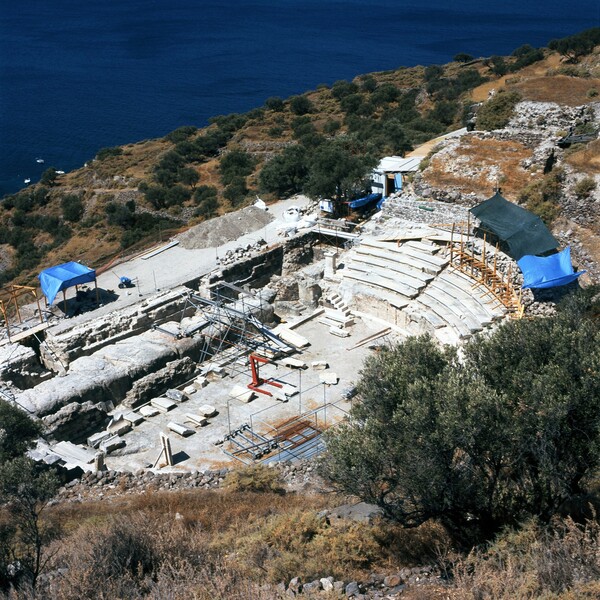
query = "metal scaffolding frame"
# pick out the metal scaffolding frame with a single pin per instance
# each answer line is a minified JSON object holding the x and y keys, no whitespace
{"x":227,"y":326}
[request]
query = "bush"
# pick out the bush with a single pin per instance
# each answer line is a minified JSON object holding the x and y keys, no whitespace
{"x":368,"y":84}
{"x":188,"y":176}
{"x":105,"y":153}
{"x":286,"y":173}
{"x":462,"y":57}
{"x":433,"y":72}
{"x":543,"y":196}
{"x":302,"y":126}
{"x":497,"y":65}
{"x":17,"y":431}
{"x":181,"y":134}
{"x":48,"y":176}
{"x":584,"y":187}
{"x":235,"y":164}
{"x":508,"y":431}
{"x":558,"y":561}
{"x":236,"y":191}
{"x":177,"y":195}
{"x":527,"y":59}
{"x":275,"y":103}
{"x":341,"y":89}
{"x":156,"y":195}
{"x":385,"y":93}
{"x":496,"y":112}
{"x":331,"y":126}
{"x":72,"y":208}
{"x":574,"y":47}
{"x":301,"y":105}
{"x":351,"y":104}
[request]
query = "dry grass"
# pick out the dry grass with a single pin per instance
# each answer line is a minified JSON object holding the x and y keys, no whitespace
{"x":561,"y":562}
{"x":586,"y":160}
{"x":477,"y":165}
{"x":219,"y":544}
{"x":570,"y":91}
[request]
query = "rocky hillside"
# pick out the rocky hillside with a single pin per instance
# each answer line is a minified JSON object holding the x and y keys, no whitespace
{"x":133,"y":196}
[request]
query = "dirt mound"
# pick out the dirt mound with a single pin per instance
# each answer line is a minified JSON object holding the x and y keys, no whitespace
{"x":225,"y":229}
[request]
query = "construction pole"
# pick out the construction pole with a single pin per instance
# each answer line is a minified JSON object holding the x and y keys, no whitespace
{"x":14,"y":295}
{"x":38,"y":305}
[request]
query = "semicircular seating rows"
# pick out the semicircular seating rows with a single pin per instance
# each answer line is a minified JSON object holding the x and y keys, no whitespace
{"x":417,"y":282}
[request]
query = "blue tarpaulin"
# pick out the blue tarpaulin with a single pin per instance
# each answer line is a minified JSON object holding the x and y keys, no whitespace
{"x":364,"y":201}
{"x":61,"y":277}
{"x":548,"y":271}
{"x":398,"y":181}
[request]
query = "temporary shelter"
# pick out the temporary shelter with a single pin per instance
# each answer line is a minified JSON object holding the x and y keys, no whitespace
{"x":62,"y":277}
{"x":522,"y":232}
{"x":388,"y":176}
{"x":548,"y":271}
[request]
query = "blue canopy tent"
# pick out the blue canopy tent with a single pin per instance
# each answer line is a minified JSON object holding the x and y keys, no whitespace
{"x":61,"y":277}
{"x":548,"y":271}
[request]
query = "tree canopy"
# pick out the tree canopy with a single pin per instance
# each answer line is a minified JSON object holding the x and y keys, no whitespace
{"x":507,"y":429}
{"x":17,"y":431}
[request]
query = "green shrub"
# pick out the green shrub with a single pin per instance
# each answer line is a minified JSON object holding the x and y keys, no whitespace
{"x":105,"y":153}
{"x":341,"y":89}
{"x":72,"y":208}
{"x":301,"y":105}
{"x":302,"y":126}
{"x":236,"y":191}
{"x":463,"y":57}
{"x":368,"y":84}
{"x":433,"y":72}
{"x":351,"y":104}
{"x":542,"y":197}
{"x":275,"y":103}
{"x":235,"y":164}
{"x":275,"y":131}
{"x":496,"y":112}
{"x":584,"y":187}
{"x":331,"y":126}
{"x":181,"y":134}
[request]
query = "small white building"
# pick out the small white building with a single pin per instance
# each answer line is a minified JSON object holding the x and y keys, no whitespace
{"x":388,"y":176}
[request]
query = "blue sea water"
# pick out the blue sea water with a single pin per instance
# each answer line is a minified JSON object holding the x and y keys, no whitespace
{"x":77,"y":76}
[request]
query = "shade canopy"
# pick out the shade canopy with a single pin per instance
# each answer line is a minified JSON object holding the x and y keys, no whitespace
{"x":64,"y":276}
{"x":548,"y":271}
{"x":523,"y":232}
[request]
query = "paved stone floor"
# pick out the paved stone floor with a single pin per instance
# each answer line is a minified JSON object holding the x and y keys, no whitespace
{"x":198,"y":451}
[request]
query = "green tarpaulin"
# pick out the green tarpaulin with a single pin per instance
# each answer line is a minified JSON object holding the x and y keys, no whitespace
{"x":523,"y":232}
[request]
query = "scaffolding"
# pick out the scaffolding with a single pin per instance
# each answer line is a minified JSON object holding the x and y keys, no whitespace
{"x":484,"y":272}
{"x":228,"y":327}
{"x":9,"y":305}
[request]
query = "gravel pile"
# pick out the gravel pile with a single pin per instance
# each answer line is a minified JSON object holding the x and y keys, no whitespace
{"x":229,"y":227}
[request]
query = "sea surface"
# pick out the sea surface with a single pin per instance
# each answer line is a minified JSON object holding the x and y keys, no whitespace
{"x":78,"y":76}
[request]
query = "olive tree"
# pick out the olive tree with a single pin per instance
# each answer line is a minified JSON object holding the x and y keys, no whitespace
{"x":24,"y":494}
{"x":508,"y":429}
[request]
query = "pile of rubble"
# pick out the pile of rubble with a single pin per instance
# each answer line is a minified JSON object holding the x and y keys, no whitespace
{"x":295,"y":476}
{"x":377,"y":586}
{"x":242,"y":252}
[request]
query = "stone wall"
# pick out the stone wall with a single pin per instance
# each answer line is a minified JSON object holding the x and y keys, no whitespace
{"x":65,"y":344}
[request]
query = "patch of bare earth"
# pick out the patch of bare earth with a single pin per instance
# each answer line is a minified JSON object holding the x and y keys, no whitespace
{"x":570,"y":91}
{"x":479,"y":165}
